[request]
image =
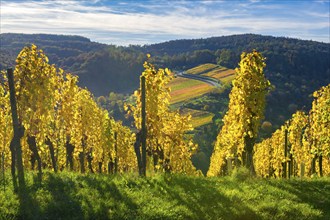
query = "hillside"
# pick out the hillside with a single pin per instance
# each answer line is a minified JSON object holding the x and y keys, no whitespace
{"x":295,"y":68}
{"x":101,"y":68}
{"x":60,"y":49}
{"x":96,"y":196}
{"x":303,"y":65}
{"x":284,"y":55}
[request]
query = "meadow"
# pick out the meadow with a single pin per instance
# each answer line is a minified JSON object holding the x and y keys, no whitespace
{"x":69,"y":195}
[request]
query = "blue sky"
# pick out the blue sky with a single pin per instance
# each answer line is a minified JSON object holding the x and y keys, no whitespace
{"x":146,"y":22}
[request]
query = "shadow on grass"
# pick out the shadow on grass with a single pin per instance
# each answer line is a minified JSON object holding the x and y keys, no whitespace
{"x":52,"y":199}
{"x":72,"y":196}
{"x":109,"y":201}
{"x":28,"y":206}
{"x":76,"y":196}
{"x":204,"y":201}
{"x":315,"y":193}
{"x":63,"y":202}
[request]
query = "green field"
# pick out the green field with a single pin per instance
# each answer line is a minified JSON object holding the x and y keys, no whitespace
{"x":97,"y":196}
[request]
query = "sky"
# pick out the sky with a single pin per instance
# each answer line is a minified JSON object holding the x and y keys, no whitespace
{"x":133,"y":22}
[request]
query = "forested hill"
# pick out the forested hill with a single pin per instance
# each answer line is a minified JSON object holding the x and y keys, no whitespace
{"x":284,"y":55}
{"x":57,"y":47}
{"x":294,"y":66}
{"x":101,"y":68}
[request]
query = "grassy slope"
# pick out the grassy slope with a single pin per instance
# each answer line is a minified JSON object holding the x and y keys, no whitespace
{"x":183,"y":89}
{"x":76,"y":196}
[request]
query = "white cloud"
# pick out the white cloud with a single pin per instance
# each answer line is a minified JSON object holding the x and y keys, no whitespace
{"x":150,"y":25}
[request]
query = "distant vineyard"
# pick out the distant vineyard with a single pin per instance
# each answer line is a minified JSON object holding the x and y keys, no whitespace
{"x":184,"y":89}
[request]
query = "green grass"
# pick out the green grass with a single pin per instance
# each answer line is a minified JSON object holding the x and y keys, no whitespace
{"x":75,"y":196}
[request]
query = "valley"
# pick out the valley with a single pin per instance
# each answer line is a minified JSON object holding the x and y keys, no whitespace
{"x":295,"y":68}
{"x":184,"y":109}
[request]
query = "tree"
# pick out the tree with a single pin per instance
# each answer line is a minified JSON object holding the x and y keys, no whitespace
{"x":243,"y":118}
{"x":225,"y":58}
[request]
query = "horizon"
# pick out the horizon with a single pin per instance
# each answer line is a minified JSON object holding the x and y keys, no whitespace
{"x":148,"y":22}
{"x":204,"y":38}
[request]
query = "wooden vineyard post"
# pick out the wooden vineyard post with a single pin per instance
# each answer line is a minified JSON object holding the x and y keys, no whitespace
{"x":320,"y":165}
{"x":18,"y":131}
{"x":302,"y":170}
{"x":236,"y":161}
{"x":290,"y":163}
{"x":3,"y":170}
{"x":116,"y":151}
{"x":138,"y":152}
{"x":229,"y":165}
{"x":143,"y":126}
{"x":313,"y":169}
{"x":285,"y":152}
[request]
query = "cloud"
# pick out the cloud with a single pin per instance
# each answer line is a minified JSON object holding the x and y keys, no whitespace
{"x":145,"y":22}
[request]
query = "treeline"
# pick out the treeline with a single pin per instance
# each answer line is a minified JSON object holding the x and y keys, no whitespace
{"x":110,"y":69}
{"x":284,"y":55}
{"x":59,"y":48}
